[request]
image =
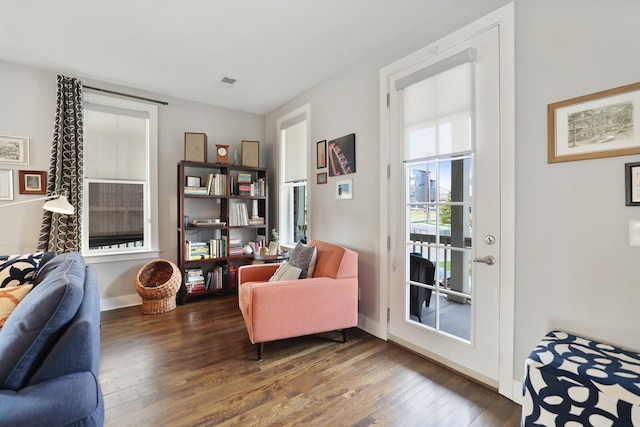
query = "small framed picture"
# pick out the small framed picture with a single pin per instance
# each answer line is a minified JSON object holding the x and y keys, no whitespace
{"x":632,"y":183}
{"x":321,"y":178}
{"x":273,"y":248}
{"x":251,"y":153}
{"x":192,"y":181}
{"x":14,"y":149}
{"x":321,"y":148}
{"x":6,"y":184}
{"x":195,"y":146}
{"x":32,"y":182}
{"x":344,"y":189}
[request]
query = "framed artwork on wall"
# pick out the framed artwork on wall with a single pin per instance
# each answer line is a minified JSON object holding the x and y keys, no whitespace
{"x":321,"y":178}
{"x":601,"y":124}
{"x":195,"y":146}
{"x":321,"y":154}
{"x":32,"y":182}
{"x":344,"y":189}
{"x":632,"y":183}
{"x":251,"y":153}
{"x":341,"y":155}
{"x":6,"y":184}
{"x":14,"y":149}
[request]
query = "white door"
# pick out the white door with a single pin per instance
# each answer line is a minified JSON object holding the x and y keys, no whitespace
{"x":444,"y":205}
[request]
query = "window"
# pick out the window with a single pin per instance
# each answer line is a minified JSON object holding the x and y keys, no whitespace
{"x":120,"y":174}
{"x":293,"y":140}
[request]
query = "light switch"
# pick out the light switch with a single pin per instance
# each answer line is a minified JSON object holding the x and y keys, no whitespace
{"x":634,"y":233}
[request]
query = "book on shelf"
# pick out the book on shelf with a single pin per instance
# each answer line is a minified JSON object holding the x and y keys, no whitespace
{"x":196,"y":191}
{"x":233,"y":278}
{"x":238,"y":214}
{"x":235,"y":246}
{"x":258,"y":188}
{"x":244,"y":178}
{"x":194,"y":279}
{"x":244,"y":189}
{"x":196,"y":250}
{"x":215,"y":279}
{"x":216,"y":184}
{"x":256,"y":220}
{"x":218,"y":247}
{"x":250,"y":188}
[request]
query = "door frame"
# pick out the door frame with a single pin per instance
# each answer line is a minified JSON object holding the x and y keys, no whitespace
{"x":504,"y":19}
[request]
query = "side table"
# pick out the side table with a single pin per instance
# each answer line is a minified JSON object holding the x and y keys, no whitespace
{"x":266,"y":259}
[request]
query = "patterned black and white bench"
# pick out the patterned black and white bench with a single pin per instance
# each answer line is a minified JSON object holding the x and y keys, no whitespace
{"x":572,"y":381}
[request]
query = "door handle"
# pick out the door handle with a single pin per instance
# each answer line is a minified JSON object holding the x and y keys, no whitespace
{"x":489,"y":260}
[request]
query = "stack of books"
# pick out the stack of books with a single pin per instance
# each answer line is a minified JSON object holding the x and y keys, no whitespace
{"x":235,"y":246}
{"x":196,"y":191}
{"x":256,"y":220}
{"x":196,"y":250}
{"x":194,"y":280}
{"x":244,"y":184}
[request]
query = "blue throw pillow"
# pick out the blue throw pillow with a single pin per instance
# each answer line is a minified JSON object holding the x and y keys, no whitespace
{"x":38,"y":321}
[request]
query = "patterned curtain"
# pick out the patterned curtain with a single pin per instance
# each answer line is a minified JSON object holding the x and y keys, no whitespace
{"x":61,"y":233}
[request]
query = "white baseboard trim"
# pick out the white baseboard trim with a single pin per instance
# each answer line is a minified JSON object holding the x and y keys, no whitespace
{"x":516,"y":396}
{"x":107,"y":304}
{"x":372,"y":327}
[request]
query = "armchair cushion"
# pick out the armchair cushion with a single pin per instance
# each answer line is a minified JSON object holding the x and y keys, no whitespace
{"x":286,"y":271}
{"x":304,"y":257}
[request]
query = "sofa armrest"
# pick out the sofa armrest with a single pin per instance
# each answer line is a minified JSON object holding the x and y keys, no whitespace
{"x":54,"y":402}
{"x":256,"y":272}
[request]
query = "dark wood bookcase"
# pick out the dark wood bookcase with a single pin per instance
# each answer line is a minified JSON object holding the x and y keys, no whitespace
{"x":236,"y":196}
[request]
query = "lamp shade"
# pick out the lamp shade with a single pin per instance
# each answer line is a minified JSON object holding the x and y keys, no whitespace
{"x":60,"y":205}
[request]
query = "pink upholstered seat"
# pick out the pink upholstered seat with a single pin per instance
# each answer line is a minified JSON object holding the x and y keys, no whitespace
{"x":325,"y":302}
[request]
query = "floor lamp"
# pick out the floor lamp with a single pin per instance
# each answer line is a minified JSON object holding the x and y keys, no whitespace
{"x":56,"y":203}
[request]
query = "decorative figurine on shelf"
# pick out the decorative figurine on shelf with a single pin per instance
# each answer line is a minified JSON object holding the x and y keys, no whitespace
{"x":247,"y":249}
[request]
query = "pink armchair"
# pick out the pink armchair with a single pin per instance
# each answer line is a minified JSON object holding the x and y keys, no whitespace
{"x":325,"y":302}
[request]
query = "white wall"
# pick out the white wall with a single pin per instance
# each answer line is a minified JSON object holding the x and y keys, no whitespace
{"x":27,"y":108}
{"x":574,"y":268}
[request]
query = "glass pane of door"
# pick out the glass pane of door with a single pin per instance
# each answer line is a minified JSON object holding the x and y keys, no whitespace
{"x":439,"y":212}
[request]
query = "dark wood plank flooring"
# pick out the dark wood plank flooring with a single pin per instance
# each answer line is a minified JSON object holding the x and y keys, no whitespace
{"x":195,"y":366}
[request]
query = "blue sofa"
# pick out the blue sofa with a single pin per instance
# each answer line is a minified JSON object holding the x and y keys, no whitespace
{"x":50,"y":349}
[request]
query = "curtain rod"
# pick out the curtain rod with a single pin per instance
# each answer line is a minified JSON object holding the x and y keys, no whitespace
{"x":126,"y":94}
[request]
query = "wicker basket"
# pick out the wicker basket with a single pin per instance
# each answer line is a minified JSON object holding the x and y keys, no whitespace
{"x":157,"y":283}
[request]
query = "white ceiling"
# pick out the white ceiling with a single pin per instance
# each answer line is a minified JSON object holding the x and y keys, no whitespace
{"x":276,"y":49}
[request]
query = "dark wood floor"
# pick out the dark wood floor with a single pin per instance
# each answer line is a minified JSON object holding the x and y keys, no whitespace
{"x":195,"y":366}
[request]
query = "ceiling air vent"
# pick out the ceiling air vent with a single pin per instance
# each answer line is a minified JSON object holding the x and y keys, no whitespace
{"x":226,"y":82}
